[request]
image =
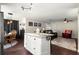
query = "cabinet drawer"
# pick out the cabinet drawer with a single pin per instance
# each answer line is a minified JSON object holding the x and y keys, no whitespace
{"x":37,"y":45}
{"x":36,"y":51}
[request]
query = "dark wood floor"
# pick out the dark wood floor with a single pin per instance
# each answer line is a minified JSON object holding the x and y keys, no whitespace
{"x":56,"y":50}
{"x":20,"y":50}
{"x":17,"y":49}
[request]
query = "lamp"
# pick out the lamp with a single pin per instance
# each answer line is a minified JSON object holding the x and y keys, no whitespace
{"x":8,"y":22}
{"x":11,"y":21}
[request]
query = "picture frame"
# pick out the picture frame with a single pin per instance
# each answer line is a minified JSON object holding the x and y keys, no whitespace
{"x":30,"y":23}
{"x":35,"y":24}
{"x":39,"y":24}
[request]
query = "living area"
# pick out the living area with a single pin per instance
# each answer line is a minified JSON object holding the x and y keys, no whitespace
{"x":38,"y":29}
{"x":67,"y":36}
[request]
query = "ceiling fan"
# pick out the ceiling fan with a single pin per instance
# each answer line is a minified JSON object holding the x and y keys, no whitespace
{"x":23,"y":8}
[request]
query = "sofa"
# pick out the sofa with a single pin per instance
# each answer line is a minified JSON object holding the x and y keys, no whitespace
{"x":51,"y":32}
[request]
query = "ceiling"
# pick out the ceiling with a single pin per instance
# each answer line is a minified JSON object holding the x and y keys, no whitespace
{"x":43,"y":11}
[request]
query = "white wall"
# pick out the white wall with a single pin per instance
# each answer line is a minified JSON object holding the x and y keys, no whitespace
{"x":6,"y":9}
{"x":30,"y":28}
{"x":60,"y":26}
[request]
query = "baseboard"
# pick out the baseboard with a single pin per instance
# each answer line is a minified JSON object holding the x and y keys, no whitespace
{"x":74,"y":38}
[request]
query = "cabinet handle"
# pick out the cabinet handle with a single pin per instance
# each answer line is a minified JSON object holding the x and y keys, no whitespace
{"x":34,"y":48}
{"x":34,"y":39}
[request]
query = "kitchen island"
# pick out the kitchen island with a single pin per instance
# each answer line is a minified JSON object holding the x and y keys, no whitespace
{"x":37,"y":43}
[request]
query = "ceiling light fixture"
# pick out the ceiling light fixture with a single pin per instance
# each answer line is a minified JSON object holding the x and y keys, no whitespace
{"x":23,"y":8}
{"x":10,"y":13}
{"x":66,"y":20}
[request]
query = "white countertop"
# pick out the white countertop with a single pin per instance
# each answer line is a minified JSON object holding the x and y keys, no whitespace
{"x":65,"y":43}
{"x":39,"y":34}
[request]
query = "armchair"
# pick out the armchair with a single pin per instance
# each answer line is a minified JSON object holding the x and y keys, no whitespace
{"x":67,"y":34}
{"x":11,"y":36}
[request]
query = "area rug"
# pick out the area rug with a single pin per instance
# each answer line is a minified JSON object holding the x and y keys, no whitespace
{"x":9,"y":45}
{"x":65,"y":43}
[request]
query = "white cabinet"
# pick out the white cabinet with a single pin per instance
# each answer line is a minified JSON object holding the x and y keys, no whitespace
{"x":37,"y":45}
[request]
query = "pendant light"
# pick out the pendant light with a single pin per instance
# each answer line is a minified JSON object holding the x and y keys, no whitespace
{"x":65,"y":20}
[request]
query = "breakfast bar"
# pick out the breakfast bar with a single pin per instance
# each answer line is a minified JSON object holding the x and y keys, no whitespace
{"x":37,"y":43}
